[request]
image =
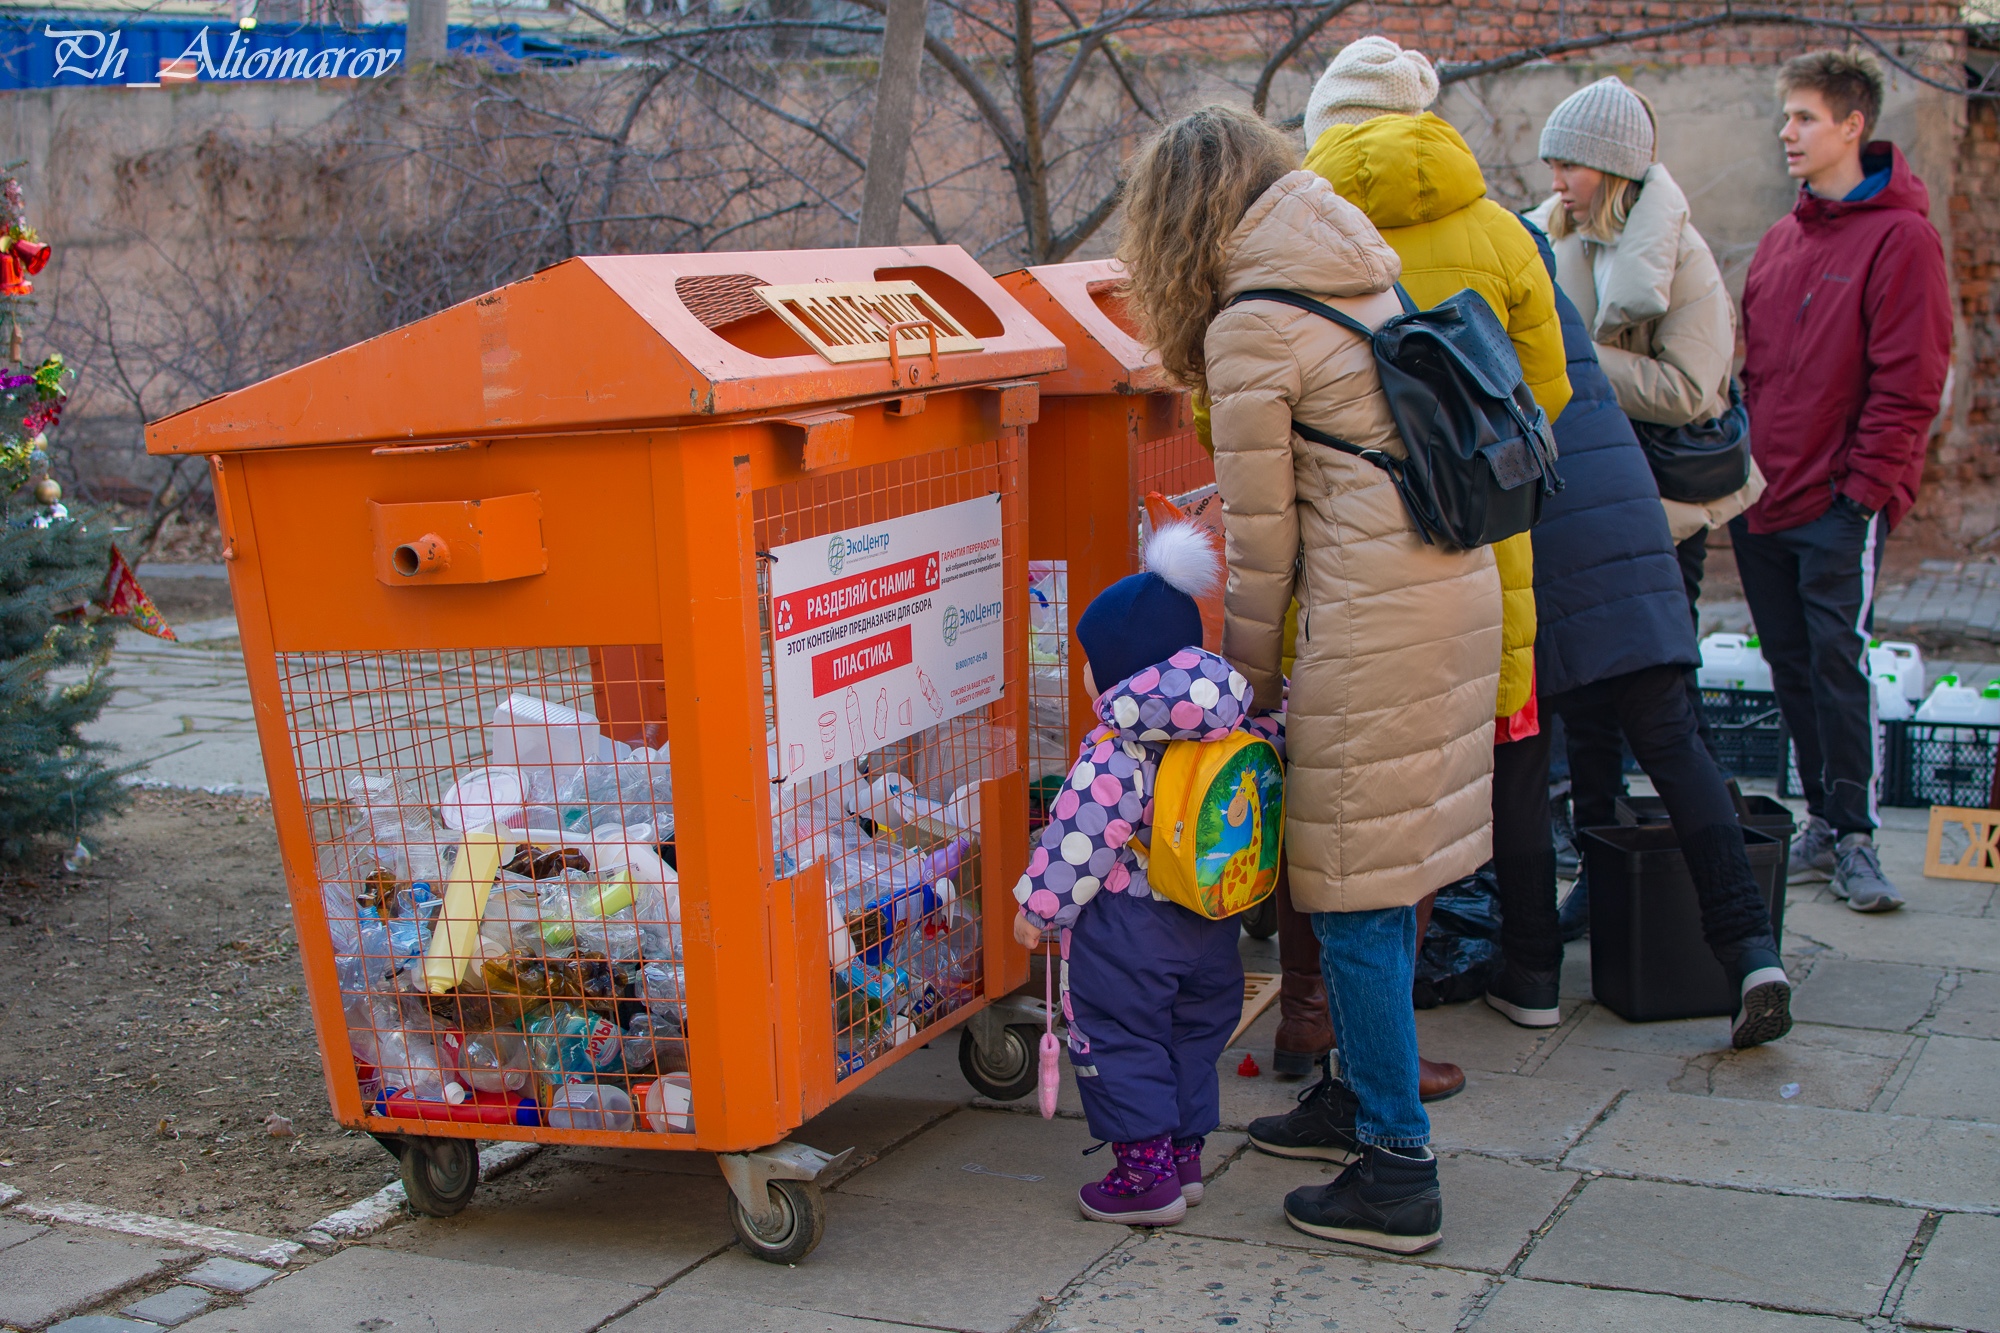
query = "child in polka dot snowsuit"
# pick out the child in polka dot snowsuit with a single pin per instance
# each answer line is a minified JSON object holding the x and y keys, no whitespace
{"x":1151,"y":991}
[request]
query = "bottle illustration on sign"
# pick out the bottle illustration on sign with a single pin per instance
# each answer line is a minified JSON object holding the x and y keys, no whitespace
{"x":904,"y":713}
{"x":829,"y":724}
{"x":881,"y":715}
{"x":854,"y":728}
{"x":931,"y":694}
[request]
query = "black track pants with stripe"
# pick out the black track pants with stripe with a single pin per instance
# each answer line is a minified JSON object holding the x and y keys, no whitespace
{"x":1811,"y":591}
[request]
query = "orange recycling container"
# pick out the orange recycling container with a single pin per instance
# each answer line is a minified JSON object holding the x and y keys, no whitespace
{"x":1111,"y":433}
{"x":639,"y":658}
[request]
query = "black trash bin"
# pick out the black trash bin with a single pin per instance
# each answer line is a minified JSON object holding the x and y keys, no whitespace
{"x":1758,"y":812}
{"x":1648,"y":961}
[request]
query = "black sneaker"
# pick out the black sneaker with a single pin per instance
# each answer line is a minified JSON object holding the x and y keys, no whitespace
{"x":1384,"y":1201}
{"x":1320,"y":1127}
{"x":1573,"y":913}
{"x":1765,"y":1011}
{"x":1528,"y":999}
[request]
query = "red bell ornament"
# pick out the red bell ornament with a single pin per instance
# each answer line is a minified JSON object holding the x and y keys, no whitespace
{"x":34,"y":255}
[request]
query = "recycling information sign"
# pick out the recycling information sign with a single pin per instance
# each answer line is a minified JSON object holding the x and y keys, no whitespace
{"x":881,"y":631}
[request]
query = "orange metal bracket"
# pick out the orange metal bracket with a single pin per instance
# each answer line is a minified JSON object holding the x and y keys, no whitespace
{"x":825,"y":439}
{"x":458,"y":541}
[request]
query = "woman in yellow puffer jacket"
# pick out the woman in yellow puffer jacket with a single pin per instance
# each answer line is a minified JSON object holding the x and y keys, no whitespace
{"x":1368,"y":134}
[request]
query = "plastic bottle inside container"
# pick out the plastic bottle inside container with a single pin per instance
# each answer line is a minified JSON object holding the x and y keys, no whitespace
{"x":409,"y":1063}
{"x":495,"y":1061}
{"x":590,"y":1106}
{"x":670,"y":1104}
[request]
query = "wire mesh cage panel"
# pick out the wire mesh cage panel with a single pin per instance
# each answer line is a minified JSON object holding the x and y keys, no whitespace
{"x":885,"y":801}
{"x":1048,"y":684}
{"x":493,"y":832}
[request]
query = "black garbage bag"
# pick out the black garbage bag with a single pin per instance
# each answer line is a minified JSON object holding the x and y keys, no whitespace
{"x":1461,"y":952}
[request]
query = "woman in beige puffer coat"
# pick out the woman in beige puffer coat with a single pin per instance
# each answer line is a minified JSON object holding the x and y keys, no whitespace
{"x":1389,"y":723}
{"x":1629,"y":258}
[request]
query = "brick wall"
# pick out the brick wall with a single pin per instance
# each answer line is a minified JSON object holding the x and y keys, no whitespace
{"x":1961,"y":496}
{"x":1452,"y":31}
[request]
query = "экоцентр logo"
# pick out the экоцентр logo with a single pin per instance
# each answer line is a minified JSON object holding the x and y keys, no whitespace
{"x":950,"y":625}
{"x":836,"y":554}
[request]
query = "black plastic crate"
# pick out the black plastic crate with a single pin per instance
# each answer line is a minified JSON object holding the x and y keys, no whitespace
{"x":1748,"y":732}
{"x":1938,"y":763}
{"x":1648,"y":961}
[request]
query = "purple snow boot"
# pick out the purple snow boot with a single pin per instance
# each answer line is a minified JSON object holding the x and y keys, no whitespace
{"x":1143,"y":1190}
{"x":1187,"y":1165}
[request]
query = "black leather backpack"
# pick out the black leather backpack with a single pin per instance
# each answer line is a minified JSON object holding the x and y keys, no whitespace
{"x":1481,"y":454}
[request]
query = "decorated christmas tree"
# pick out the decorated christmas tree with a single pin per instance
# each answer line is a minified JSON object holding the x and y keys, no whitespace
{"x":53,"y":577}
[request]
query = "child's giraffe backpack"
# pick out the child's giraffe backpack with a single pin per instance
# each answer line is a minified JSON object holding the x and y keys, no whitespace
{"x":1218,"y":824}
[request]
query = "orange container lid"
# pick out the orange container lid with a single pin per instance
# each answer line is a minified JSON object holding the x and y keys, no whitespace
{"x":624,"y":341}
{"x":1079,"y":303}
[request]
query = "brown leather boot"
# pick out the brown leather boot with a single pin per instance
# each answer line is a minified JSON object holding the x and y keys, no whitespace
{"x":1305,"y":1029}
{"x":1436,"y":1080}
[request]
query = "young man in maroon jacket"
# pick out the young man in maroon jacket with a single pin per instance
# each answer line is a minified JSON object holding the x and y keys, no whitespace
{"x":1847,"y":333}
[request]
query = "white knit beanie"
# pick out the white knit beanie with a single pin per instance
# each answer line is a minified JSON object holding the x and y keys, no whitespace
{"x":1368,"y":78}
{"x":1605,"y":126}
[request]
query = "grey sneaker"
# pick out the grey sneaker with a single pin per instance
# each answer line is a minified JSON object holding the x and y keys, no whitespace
{"x":1858,"y":877}
{"x":1812,"y":851}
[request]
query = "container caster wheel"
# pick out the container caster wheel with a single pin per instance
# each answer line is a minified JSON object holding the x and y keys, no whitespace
{"x":1006,"y":1069}
{"x":1261,"y":921}
{"x":439,"y":1175}
{"x":790,"y":1229}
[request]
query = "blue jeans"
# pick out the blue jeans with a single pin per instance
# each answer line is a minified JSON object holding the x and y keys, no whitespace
{"x":1369,"y":960}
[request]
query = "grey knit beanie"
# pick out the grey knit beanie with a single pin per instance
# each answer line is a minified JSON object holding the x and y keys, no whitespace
{"x":1367,"y":78}
{"x":1605,"y":126}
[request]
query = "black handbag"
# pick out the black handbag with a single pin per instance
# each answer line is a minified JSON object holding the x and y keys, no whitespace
{"x":1704,"y":460}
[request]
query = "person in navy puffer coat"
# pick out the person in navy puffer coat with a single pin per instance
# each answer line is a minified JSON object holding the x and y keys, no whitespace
{"x":1613,"y":643}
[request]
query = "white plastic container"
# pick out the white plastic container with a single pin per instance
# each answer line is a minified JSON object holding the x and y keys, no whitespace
{"x":528,"y":732}
{"x":1904,"y":661}
{"x":1891,"y":704}
{"x":670,"y":1104}
{"x":1952,"y":702}
{"x":1732,"y":662}
{"x":590,"y":1106}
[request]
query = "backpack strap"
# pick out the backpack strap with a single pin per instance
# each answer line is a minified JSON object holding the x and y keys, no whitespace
{"x":1300,"y":301}
{"x":1396,"y":468}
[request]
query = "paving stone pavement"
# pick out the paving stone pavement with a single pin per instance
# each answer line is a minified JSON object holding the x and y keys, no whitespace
{"x":1953,"y":597}
{"x":1600,"y":1175}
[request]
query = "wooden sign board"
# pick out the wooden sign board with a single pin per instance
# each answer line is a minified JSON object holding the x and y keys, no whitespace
{"x":1980,"y":859}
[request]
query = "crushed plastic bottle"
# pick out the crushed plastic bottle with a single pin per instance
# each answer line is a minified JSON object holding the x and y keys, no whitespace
{"x":566,"y":1040}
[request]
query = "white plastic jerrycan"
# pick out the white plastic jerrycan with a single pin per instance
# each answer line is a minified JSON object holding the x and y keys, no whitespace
{"x":1732,"y":662}
{"x":1953,"y":702}
{"x":1904,"y":661}
{"x":1891,"y":704}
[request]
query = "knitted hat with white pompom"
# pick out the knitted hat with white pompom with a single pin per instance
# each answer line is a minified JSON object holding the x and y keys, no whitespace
{"x":1145,"y":618}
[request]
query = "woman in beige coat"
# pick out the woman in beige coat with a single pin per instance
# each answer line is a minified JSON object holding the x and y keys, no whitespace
{"x":1648,"y":287}
{"x":1390,"y":716}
